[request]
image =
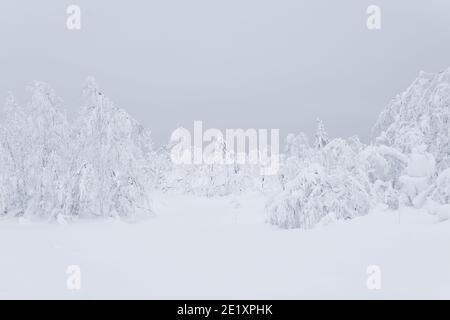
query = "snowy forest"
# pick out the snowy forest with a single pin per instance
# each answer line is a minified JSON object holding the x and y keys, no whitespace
{"x":103,"y":163}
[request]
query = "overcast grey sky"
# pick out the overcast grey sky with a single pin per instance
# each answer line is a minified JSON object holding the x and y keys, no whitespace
{"x":231,"y":63}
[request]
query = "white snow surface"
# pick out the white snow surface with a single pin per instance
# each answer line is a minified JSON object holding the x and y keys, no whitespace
{"x":219,"y":248}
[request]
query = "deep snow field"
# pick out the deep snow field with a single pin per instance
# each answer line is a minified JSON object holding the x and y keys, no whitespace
{"x":200,"y":248}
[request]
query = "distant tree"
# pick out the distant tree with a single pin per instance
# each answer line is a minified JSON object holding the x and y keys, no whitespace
{"x":321,"y":136}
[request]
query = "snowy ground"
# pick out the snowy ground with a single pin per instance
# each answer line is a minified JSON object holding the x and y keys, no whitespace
{"x":221,"y":248}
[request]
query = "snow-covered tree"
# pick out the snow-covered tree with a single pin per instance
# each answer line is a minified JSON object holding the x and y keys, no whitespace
{"x":35,"y":143}
{"x":101,"y":166}
{"x":14,"y":154}
{"x":321,"y":137}
{"x":420,"y":115}
{"x":112,"y":150}
{"x":298,"y":154}
{"x":48,"y":133}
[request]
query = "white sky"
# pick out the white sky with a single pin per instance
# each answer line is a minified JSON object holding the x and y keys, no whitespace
{"x":231,"y":63}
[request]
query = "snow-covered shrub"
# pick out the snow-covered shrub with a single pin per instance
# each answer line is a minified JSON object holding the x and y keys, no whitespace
{"x":219,"y":174}
{"x":418,"y":175}
{"x":315,"y":194}
{"x":210,"y":180}
{"x":383,"y":166}
{"x":442,"y":191}
{"x":383,"y":163}
{"x":383,"y":192}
